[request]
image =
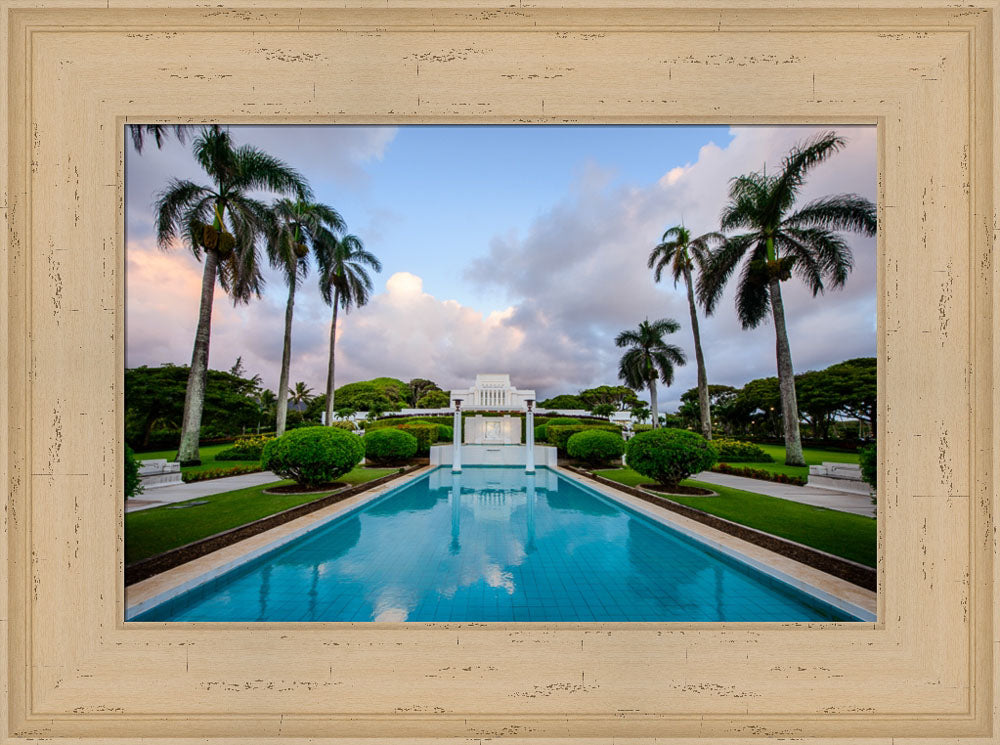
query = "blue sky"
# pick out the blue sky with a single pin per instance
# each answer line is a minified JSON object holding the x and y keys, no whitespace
{"x":515,"y":249}
{"x":457,"y":187}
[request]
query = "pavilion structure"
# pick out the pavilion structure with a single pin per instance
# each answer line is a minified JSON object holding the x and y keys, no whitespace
{"x":492,"y":440}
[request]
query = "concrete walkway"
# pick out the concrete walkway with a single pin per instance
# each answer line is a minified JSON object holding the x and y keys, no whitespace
{"x":182,"y":492}
{"x":832,"y":500}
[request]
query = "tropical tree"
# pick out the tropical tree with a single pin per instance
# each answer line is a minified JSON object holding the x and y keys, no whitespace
{"x":678,"y":250}
{"x":344,"y":283}
{"x":299,"y":228}
{"x":266,"y":404}
{"x":417,"y":388}
{"x":300,"y":394}
{"x":779,"y":242}
{"x":640,"y":412}
{"x":649,"y":358}
{"x":220,"y":224}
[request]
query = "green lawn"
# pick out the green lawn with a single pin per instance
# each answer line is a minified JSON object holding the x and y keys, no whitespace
{"x":813,"y":457}
{"x":152,"y":531}
{"x":207,"y":452}
{"x":840,"y":533}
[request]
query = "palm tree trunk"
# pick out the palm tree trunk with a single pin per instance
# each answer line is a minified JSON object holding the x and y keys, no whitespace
{"x":652,"y":404}
{"x":703,"y":402}
{"x":194,"y":397}
{"x":786,"y":380}
{"x":329,"y":372}
{"x":286,"y":361}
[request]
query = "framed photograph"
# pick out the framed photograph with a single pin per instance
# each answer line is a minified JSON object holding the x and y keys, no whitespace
{"x":464,"y":572}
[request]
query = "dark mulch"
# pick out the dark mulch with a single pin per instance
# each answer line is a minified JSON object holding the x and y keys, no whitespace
{"x":685,"y":491}
{"x":299,"y":489}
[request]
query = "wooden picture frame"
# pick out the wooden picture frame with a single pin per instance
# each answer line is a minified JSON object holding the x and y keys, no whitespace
{"x":79,"y":70}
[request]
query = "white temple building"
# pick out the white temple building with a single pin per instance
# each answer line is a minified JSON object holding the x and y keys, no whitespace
{"x":493,"y":391}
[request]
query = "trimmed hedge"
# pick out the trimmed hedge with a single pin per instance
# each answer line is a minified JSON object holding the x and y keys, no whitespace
{"x":445,"y":433}
{"x":559,"y":435}
{"x":759,"y":473}
{"x":389,"y":446}
{"x":426,"y":434}
{"x":669,"y":455}
{"x":219,"y":473}
{"x":738,"y":451}
{"x":561,"y":421}
{"x":312,"y":456}
{"x":540,"y":433}
{"x":595,"y":446}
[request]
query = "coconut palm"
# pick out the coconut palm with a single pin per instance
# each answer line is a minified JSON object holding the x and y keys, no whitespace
{"x":220,"y":224}
{"x":344,"y":283}
{"x":158,"y":132}
{"x":266,"y":401}
{"x":779,"y":242}
{"x":681,"y":252}
{"x":299,"y":228}
{"x":300,"y":394}
{"x":649,"y":358}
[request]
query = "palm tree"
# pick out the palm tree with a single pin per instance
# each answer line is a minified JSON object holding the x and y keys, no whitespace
{"x":780,"y":242}
{"x":157,"y":131}
{"x":266,"y":401}
{"x":649,"y":357}
{"x":301,"y":393}
{"x":344,"y":283}
{"x":681,"y":252}
{"x":201,"y":217}
{"x":299,"y":226}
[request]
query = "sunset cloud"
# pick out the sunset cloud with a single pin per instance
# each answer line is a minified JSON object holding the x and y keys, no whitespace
{"x":554,"y":289}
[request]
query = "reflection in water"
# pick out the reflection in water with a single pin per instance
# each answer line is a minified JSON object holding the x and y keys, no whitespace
{"x":488,"y":544}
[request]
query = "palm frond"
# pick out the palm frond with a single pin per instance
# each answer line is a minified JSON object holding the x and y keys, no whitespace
{"x":794,"y":167}
{"x":719,"y":265}
{"x":256,"y":170}
{"x":170,"y":207}
{"x":752,"y":294}
{"x":838,"y":212}
{"x":830,"y":250}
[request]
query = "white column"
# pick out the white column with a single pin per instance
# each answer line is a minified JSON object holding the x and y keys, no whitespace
{"x":456,"y":447}
{"x":529,"y":438}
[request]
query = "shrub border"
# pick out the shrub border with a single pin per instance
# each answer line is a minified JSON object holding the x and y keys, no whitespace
{"x":851,"y":571}
{"x":174,"y":557}
{"x":761,"y":474}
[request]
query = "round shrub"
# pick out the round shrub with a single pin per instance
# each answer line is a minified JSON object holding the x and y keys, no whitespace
{"x":445,"y":433}
{"x":540,"y":432}
{"x":389,"y":446}
{"x":313,"y":456}
{"x":595,"y":446}
{"x":669,"y":455}
{"x":133,"y":484}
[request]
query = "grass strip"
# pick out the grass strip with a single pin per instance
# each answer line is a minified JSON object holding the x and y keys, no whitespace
{"x":842,"y":534}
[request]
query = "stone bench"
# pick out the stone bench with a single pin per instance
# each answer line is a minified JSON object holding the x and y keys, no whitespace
{"x":159,"y":472}
{"x":844,"y":477}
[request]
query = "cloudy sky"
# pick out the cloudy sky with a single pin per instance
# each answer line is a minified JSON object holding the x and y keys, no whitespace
{"x":517,"y":249}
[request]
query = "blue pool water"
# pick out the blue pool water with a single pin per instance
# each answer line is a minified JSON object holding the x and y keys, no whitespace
{"x":493,"y":544}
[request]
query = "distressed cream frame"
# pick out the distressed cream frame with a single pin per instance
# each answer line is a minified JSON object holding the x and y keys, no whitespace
{"x":77,"y":70}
